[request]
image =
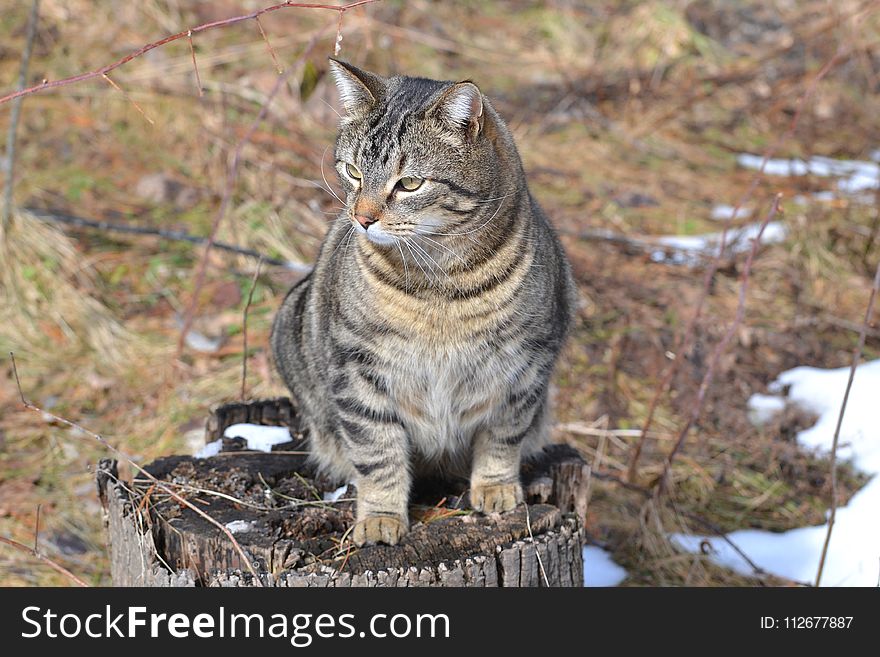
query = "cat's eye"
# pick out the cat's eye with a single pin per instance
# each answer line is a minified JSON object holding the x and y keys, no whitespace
{"x":410,"y":183}
{"x":353,"y":171}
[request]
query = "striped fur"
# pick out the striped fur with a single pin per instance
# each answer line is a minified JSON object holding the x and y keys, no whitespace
{"x":425,"y":341}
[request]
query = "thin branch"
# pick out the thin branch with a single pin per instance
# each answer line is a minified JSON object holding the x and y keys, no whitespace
{"x":46,"y":560}
{"x":337,"y":45}
{"x":229,"y":187}
{"x":857,"y":355}
{"x":128,"y":98}
{"x":37,"y":530}
{"x":719,"y":350}
{"x":537,"y":554}
{"x":684,"y":342}
{"x":244,"y":328}
{"x":231,"y":178}
{"x":177,"y":235}
{"x":161,"y":485}
{"x":16,"y":116}
{"x":103,"y":70}
{"x":269,"y":45}
{"x":192,"y":51}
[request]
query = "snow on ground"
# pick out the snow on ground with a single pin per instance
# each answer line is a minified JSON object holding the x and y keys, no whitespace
{"x":726,"y":212}
{"x":763,"y":408}
{"x":332,"y":496}
{"x":854,"y":552}
{"x":853,"y":175}
{"x":258,"y":436}
{"x":689,"y":249}
{"x":599,"y":569}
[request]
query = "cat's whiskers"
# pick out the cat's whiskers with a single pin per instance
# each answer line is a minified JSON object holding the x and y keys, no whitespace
{"x":403,"y":260}
{"x":329,"y":189}
{"x":416,"y":260}
{"x":344,"y":238}
{"x":349,"y":237}
{"x":472,"y":230}
{"x":445,"y":248}
{"x":436,"y":264}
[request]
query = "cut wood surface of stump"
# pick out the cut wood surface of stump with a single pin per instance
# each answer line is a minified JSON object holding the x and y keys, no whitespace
{"x":277,"y":508}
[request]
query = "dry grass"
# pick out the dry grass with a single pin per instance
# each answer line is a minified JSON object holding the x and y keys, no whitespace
{"x":657,"y":97}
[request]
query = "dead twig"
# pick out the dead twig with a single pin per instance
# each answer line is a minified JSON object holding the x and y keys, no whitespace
{"x":269,"y":44}
{"x":9,"y":165}
{"x":176,"y":235}
{"x":103,"y":70}
{"x":192,"y":51}
{"x":159,"y":484}
{"x":128,"y":98}
{"x":46,"y":560}
{"x":719,"y":350}
{"x":37,"y":529}
{"x":231,"y":178}
{"x":685,"y":340}
{"x":537,"y":554}
{"x":857,"y":356}
{"x":244,"y":326}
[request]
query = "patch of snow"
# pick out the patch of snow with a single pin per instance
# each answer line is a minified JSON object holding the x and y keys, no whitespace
{"x":690,"y":248}
{"x":726,"y":212}
{"x":762,"y":408}
{"x":210,"y":449}
{"x":259,"y":437}
{"x":599,"y":569}
{"x":853,"y":175}
{"x":202,"y":343}
{"x":239,"y":526}
{"x":332,"y":496}
{"x":854,"y":551}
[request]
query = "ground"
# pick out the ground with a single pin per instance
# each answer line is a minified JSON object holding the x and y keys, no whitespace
{"x":628,"y":116}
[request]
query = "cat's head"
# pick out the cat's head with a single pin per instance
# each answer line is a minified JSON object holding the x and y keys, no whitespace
{"x":419,"y":157}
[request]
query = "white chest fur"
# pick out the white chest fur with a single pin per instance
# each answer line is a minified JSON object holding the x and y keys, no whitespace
{"x":445,"y":394}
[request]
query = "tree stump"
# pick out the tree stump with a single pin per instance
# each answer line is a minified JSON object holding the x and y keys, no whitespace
{"x":274,"y":505}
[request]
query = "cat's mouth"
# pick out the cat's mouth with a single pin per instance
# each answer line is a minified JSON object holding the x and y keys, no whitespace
{"x":376,"y":234}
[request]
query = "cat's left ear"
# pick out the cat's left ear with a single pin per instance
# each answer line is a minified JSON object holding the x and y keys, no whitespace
{"x":461,"y":108}
{"x":359,"y":90}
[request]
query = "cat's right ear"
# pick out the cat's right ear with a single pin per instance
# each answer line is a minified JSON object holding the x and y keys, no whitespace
{"x":358,"y":90}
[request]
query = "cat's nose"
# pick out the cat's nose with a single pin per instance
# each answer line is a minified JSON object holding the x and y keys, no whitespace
{"x":366,"y":220}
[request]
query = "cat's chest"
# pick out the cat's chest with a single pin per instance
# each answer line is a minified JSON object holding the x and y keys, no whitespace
{"x":445,"y":392}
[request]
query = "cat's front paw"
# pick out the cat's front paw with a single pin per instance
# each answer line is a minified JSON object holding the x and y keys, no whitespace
{"x":496,"y":497}
{"x":378,"y":529}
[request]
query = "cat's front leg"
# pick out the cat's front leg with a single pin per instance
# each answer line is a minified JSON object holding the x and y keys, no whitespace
{"x":495,"y":482}
{"x":379,"y":452}
{"x":498,"y":450}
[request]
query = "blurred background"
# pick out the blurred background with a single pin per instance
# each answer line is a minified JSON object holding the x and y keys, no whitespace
{"x":641,"y":126}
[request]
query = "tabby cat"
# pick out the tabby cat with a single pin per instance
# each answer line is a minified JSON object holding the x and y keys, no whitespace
{"x":425,"y":337}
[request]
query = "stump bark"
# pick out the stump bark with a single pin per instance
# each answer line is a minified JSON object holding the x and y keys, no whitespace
{"x":274,"y":505}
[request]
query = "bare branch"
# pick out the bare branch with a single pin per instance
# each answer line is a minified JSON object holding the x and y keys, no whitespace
{"x":857,"y":356}
{"x":98,"y":72}
{"x":192,"y":51}
{"x":161,"y":485}
{"x":129,"y":99}
{"x":177,"y":235}
{"x":719,"y":350}
{"x":46,"y":560}
{"x":16,"y":116}
{"x":269,"y":44}
{"x":244,"y":325}
{"x":685,"y":340}
{"x":231,"y":178}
